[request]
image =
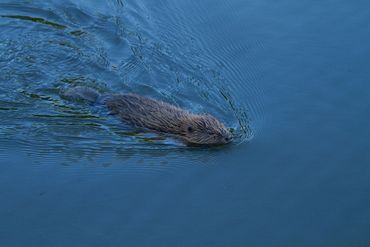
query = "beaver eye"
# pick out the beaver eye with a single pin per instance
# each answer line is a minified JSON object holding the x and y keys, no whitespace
{"x":190,"y":129}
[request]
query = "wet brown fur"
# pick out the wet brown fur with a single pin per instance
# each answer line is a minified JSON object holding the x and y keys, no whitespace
{"x":143,"y":112}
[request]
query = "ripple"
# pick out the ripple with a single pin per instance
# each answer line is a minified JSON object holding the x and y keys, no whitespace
{"x":187,"y":35}
{"x":36,"y":20}
{"x":45,"y":48}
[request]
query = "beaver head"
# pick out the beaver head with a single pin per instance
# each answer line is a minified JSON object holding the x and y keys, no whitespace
{"x":205,"y":130}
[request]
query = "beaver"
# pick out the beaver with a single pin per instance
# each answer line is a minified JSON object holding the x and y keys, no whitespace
{"x":148,"y":113}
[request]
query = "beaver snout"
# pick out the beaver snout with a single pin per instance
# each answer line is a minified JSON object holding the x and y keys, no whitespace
{"x":228,"y":139}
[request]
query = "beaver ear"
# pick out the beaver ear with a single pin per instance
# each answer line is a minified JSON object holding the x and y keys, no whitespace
{"x":190,"y":129}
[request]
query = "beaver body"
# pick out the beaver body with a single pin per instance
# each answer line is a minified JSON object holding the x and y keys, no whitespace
{"x":144,"y":112}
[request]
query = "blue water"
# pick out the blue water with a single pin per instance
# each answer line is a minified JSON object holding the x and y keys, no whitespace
{"x":291,"y":78}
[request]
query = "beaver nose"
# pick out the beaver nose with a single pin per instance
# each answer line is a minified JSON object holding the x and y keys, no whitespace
{"x":228,"y":139}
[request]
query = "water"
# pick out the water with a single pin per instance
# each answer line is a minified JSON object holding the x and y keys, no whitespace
{"x":291,"y":78}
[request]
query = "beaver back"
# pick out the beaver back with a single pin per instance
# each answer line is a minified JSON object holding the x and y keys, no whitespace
{"x":148,"y":113}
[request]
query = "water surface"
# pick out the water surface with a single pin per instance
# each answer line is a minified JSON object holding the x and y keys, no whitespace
{"x":291,"y":78}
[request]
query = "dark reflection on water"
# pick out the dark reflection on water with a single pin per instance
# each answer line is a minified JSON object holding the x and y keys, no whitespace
{"x":289,"y":77}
